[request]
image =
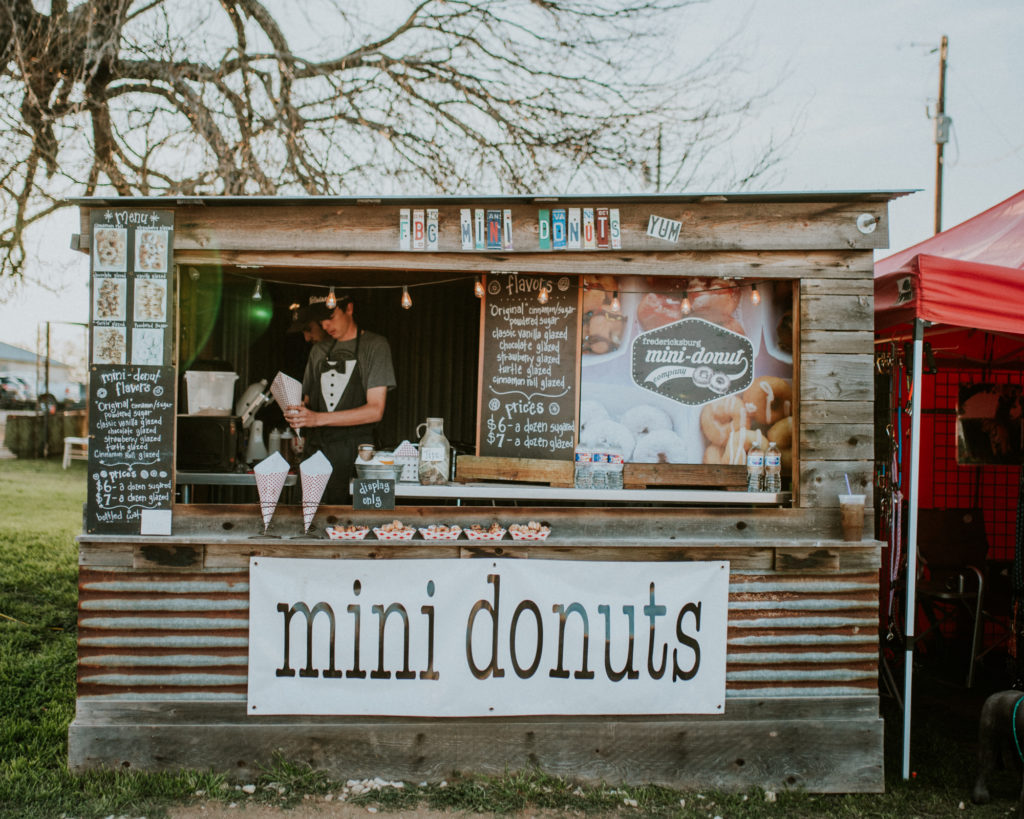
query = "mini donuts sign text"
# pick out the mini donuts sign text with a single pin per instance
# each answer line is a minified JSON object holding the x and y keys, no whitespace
{"x":692,"y":361}
{"x":459,"y":638}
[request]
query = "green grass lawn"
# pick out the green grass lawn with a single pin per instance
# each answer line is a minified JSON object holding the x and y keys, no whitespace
{"x":40,"y":515}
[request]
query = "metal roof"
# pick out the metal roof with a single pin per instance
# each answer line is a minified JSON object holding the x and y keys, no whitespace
{"x":524,"y":199}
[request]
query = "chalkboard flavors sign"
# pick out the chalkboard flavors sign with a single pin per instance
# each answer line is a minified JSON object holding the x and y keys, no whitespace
{"x":131,"y":377}
{"x":692,"y":361}
{"x":529,"y":384}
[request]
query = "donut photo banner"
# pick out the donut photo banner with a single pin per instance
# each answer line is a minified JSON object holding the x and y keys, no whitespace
{"x":686,"y":371}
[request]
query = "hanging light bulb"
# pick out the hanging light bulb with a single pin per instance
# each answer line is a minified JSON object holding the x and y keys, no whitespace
{"x":257,"y":294}
{"x":478,"y":288}
{"x":542,"y":296}
{"x":406,"y":298}
{"x":755,"y":297}
{"x":615,"y":306}
{"x":331,"y":301}
{"x":687,"y":307}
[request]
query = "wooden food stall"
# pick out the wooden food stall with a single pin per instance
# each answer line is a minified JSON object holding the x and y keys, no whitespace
{"x":603,"y":365}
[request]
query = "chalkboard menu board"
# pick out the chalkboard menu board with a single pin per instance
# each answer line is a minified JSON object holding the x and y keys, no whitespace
{"x":131,"y":377}
{"x":373,"y":493}
{"x":529,"y":365}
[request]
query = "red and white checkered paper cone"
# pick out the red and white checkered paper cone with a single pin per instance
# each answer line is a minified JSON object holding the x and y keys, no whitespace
{"x":270,"y":476}
{"x":286,"y":391}
{"x":316,"y":472}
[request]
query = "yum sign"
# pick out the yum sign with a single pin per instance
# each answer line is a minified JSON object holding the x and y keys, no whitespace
{"x":486,"y":637}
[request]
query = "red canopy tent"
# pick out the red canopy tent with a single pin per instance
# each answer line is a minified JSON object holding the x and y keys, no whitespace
{"x":964,"y":289}
{"x":968,"y":277}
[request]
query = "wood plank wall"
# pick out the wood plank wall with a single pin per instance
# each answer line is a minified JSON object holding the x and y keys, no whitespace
{"x":163,"y":625}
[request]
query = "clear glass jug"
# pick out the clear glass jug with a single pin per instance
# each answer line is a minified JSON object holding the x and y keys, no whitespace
{"x":435,"y":453}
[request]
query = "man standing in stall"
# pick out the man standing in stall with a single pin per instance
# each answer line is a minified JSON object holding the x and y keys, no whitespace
{"x":348,"y":376}
{"x":312,"y":333}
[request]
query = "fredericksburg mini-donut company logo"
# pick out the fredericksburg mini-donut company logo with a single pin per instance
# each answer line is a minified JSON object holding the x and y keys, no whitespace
{"x":692,"y":361}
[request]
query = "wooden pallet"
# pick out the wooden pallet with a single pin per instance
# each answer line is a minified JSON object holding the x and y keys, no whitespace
{"x":705,"y":476}
{"x":470,"y":468}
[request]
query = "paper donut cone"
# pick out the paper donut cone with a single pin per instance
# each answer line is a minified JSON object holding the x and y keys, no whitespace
{"x":315,"y":472}
{"x":286,"y":391}
{"x":270,"y":476}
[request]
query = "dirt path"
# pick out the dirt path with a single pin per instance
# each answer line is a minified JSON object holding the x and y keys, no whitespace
{"x":318,"y":808}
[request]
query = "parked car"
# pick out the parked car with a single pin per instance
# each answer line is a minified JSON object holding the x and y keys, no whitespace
{"x":15,"y":392}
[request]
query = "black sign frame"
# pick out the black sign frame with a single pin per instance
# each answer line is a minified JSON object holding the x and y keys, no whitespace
{"x":528,"y":401}
{"x":132,"y":399}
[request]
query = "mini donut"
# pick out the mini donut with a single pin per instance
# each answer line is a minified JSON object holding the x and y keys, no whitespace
{"x":719,"y":418}
{"x":768,"y":399}
{"x":602,"y":333}
{"x":726,"y":320}
{"x":662,"y":446}
{"x":591,"y":411}
{"x":658,"y":309}
{"x":740,"y":440}
{"x":782,"y":432}
{"x":594,"y":300}
{"x":608,"y":436}
{"x":713,"y":454}
{"x":643,"y":419}
{"x":597,"y":292}
{"x":714,"y":296}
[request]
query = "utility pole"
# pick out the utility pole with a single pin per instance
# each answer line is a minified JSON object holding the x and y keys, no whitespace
{"x":942,"y":123}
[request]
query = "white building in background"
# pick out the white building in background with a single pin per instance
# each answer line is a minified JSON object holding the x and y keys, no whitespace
{"x":32,"y":368}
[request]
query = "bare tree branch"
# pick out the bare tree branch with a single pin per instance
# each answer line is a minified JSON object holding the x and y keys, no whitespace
{"x":250,"y":96}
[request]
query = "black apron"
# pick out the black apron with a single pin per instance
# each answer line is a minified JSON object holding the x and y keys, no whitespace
{"x":338,"y":385}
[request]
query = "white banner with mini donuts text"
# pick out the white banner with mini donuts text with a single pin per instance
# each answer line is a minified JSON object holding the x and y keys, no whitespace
{"x":486,"y":637}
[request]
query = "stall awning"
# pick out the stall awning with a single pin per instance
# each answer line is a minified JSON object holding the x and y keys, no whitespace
{"x":969,"y":276}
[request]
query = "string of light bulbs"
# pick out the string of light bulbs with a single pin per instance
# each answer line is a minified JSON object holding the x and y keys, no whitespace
{"x":543,"y":295}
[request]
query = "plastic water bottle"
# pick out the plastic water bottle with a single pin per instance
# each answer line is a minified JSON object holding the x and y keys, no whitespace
{"x":755,"y":467}
{"x":773,"y":469}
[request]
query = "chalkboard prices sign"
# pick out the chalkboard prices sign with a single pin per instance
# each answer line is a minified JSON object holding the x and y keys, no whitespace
{"x":529,"y":365}
{"x":373,"y":493}
{"x":131,"y":377}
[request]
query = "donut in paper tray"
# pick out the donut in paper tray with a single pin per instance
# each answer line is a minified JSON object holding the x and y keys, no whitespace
{"x":477,"y":532}
{"x":394,"y":534}
{"x":529,"y":531}
{"x":439,"y":531}
{"x":347,"y":532}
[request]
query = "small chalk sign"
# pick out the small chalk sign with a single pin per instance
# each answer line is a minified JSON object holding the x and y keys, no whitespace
{"x":373,"y":493}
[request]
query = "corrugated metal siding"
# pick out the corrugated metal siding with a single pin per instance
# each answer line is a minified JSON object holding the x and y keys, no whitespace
{"x":180,"y":635}
{"x":802,"y":635}
{"x":183,"y":635}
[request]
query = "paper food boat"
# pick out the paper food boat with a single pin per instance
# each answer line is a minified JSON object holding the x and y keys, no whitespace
{"x":401,"y":534}
{"x":337,"y":533}
{"x":535,"y":535}
{"x":484,"y":534}
{"x":450,"y":533}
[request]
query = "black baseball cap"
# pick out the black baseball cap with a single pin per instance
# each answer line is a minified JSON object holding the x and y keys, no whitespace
{"x":317,"y":309}
{"x":300,"y":319}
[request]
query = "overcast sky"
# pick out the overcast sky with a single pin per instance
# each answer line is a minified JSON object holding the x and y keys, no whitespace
{"x":858,"y":79}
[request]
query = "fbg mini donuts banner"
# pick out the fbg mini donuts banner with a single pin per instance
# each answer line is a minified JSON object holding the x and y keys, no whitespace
{"x":692,"y":380}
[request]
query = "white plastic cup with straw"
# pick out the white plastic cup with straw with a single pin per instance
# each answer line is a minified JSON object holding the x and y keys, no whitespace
{"x":851,"y":509}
